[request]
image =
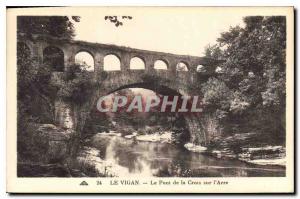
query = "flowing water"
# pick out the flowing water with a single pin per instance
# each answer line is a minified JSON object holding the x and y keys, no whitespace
{"x":129,"y":157}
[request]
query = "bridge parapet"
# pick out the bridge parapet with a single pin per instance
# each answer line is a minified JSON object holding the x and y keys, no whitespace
{"x":37,"y":45}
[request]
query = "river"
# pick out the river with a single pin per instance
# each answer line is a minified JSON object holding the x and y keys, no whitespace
{"x":128,"y":157}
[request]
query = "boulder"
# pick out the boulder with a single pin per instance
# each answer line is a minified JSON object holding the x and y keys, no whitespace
{"x":261,"y":153}
{"x":53,"y":142}
{"x":195,"y":148}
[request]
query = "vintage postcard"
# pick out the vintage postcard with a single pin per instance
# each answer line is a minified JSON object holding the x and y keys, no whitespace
{"x":150,"y":100}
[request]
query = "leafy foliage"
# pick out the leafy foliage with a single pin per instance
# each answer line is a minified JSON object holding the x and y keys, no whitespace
{"x":117,"y":21}
{"x":76,"y":85}
{"x":56,"y":26}
{"x":216,"y":93}
{"x":35,"y":94}
{"x":54,"y":58}
{"x":252,"y":84}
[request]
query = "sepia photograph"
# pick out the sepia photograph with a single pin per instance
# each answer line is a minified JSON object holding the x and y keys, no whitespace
{"x":160,"y":93}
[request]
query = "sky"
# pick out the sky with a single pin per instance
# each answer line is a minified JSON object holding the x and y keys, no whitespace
{"x":178,"y":31}
{"x":181,"y":31}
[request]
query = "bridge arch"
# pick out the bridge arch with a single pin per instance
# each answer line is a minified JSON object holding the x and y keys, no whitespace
{"x":182,"y":66}
{"x":137,"y":63}
{"x":85,"y":59}
{"x":87,"y":50}
{"x":161,"y":64}
{"x":112,"y":62}
{"x":53,"y":56}
{"x":200,"y":69}
{"x":185,"y":134}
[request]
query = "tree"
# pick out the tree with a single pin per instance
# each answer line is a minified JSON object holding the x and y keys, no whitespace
{"x":33,"y":80}
{"x":254,"y":74}
{"x":56,"y":26}
{"x":255,"y":59}
{"x":213,"y":52}
{"x":35,"y":94}
{"x":216,"y":93}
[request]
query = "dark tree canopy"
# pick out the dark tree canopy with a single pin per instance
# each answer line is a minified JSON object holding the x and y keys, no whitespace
{"x":33,"y":79}
{"x":56,"y":26}
{"x":252,"y":83}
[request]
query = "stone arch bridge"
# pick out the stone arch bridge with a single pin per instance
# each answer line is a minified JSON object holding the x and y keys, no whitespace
{"x":169,"y":81}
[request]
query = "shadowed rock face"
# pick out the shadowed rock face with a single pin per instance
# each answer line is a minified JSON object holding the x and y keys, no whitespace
{"x":48,"y":147}
{"x":56,"y":141}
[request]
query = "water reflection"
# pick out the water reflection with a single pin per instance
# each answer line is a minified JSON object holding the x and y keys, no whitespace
{"x":166,"y":160}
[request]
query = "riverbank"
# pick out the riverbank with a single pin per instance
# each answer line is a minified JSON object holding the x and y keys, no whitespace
{"x":240,"y":147}
{"x":226,"y":148}
{"x":89,"y":162}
